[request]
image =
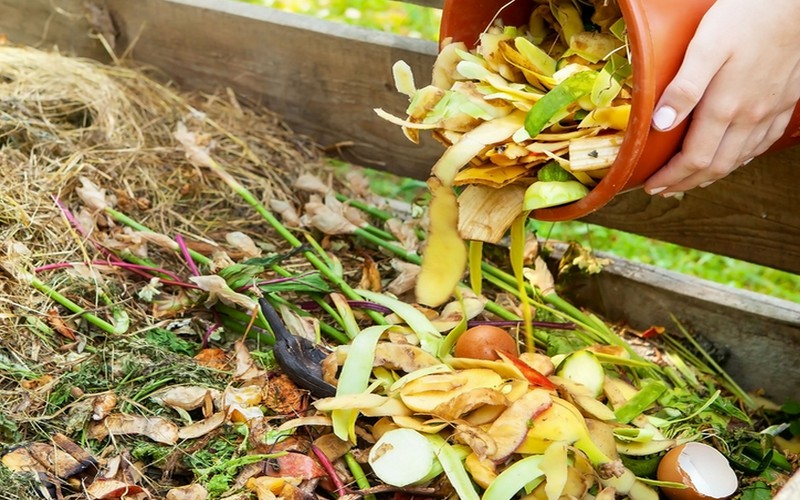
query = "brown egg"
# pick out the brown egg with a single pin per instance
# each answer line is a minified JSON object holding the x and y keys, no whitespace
{"x":483,"y":342}
{"x":704,"y":470}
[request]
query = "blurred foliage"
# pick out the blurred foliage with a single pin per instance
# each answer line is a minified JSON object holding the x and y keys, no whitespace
{"x":383,"y":15}
{"x":717,"y":268}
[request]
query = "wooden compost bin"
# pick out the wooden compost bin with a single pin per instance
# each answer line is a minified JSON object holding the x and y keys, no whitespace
{"x":325,"y":78}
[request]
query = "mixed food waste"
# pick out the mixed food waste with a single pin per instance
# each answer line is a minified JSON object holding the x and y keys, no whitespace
{"x":532,"y":117}
{"x":542,"y":106}
{"x":327,"y":344}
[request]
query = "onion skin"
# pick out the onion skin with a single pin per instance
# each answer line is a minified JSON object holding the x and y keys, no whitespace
{"x":483,"y":342}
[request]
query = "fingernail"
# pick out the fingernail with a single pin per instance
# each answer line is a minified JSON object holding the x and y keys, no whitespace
{"x":664,"y":117}
{"x":656,"y":190}
{"x":746,"y":162}
{"x":668,"y":195}
{"x":706,"y":184}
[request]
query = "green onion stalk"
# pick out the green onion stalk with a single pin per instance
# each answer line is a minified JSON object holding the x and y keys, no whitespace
{"x":731,"y":385}
{"x":287,"y":235}
{"x":358,"y":474}
{"x":507,"y":282}
{"x":119,"y":327}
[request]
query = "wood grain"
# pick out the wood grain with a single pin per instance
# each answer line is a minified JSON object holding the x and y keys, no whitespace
{"x":325,"y":78}
{"x":751,"y":215}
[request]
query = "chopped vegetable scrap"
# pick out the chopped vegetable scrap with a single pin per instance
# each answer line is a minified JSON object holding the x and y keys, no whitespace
{"x":556,"y":91}
{"x":540,"y":108}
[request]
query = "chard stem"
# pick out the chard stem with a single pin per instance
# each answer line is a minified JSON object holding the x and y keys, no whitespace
{"x":186,"y":256}
{"x":329,"y":468}
{"x":132,"y":223}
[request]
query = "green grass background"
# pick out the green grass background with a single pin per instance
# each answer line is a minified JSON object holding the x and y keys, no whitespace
{"x":420,"y":22}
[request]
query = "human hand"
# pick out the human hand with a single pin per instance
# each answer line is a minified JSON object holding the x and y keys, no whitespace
{"x":741,"y":76}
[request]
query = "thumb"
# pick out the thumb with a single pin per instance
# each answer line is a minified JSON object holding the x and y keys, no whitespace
{"x":686,"y":89}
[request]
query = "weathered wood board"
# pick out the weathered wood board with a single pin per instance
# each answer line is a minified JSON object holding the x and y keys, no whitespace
{"x":325,"y":79}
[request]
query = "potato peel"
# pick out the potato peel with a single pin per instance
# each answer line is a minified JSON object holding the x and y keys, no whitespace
{"x":444,"y":259}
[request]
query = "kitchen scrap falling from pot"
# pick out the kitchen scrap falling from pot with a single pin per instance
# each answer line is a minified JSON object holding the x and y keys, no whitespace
{"x":299,"y":358}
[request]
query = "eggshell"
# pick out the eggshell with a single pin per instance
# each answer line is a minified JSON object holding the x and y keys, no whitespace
{"x":704,"y":470}
{"x":483,"y":342}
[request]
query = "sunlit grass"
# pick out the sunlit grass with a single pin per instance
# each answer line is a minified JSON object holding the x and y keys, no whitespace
{"x":717,"y":268}
{"x":396,"y":17}
{"x":421,"y":22}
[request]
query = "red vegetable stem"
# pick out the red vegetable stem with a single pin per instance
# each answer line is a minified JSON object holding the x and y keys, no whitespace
{"x":186,"y":255}
{"x":328,"y":466}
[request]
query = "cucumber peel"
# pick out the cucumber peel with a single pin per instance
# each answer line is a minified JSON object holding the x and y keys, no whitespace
{"x":562,"y":95}
{"x":583,"y":367}
{"x":543,"y":194}
{"x":552,"y":171}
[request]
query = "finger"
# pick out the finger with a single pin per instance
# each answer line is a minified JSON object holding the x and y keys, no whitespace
{"x":774,"y":132}
{"x":699,"y":148}
{"x":688,"y":86}
{"x":728,"y":157}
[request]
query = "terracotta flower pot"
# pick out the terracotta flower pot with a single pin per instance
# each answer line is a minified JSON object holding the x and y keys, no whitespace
{"x":658,"y":34}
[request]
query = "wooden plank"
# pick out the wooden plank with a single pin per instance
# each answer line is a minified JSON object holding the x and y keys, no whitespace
{"x":325,"y":78}
{"x":749,"y":215}
{"x":761,"y":334}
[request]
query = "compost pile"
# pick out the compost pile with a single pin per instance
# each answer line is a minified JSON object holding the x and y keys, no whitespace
{"x":155,"y":243}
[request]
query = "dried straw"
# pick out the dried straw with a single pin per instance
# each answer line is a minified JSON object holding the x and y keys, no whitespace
{"x":63,"y":118}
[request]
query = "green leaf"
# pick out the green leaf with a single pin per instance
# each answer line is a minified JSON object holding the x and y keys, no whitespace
{"x":563,"y":343}
{"x":240,"y":275}
{"x":791,"y":407}
{"x":305,"y":283}
{"x":9,"y":430}
{"x":727,"y":407}
{"x":218,"y":484}
{"x":757,"y":491}
{"x":169,"y":341}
